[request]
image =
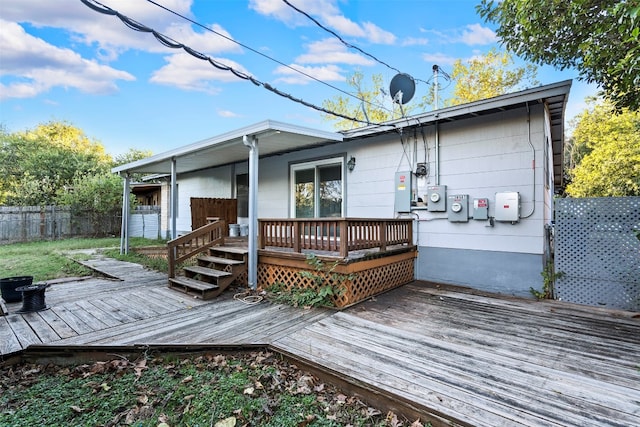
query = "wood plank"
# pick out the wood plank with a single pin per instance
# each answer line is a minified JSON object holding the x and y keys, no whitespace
{"x":105,"y":317}
{"x":57,"y":324}
{"x":42,"y":329}
{"x":9,"y":342}
{"x":204,"y":271}
{"x":107,"y":305}
{"x":192,"y":284}
{"x":219,"y":260}
{"x":66,"y":313}
{"x":22,"y":330}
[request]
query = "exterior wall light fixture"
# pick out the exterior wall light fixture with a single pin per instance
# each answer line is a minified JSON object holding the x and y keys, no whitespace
{"x":351,"y":164}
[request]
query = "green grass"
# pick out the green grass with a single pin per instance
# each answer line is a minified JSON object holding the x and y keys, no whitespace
{"x":46,"y":260}
{"x":257,"y":389}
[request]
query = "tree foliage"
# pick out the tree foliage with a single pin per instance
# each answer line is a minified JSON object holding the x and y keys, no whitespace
{"x":600,"y":38}
{"x":375,"y":101}
{"x":605,"y":145}
{"x":489,"y":75}
{"x":56,"y":163}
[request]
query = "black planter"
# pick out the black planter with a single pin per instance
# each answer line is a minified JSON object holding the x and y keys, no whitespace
{"x":8,"y":287}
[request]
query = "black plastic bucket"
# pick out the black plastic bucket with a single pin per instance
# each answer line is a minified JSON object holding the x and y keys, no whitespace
{"x":8,"y":287}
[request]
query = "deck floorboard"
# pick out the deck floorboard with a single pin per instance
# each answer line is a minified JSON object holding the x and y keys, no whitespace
{"x":474,"y":358}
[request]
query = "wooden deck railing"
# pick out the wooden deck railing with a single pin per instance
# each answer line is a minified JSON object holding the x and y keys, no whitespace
{"x":199,"y":240}
{"x":340,"y":235}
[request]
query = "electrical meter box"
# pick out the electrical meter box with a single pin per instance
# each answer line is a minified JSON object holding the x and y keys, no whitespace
{"x":437,"y":198}
{"x":481,"y":209}
{"x":458,"y":208}
{"x":507,"y":206}
{"x":403,"y":192}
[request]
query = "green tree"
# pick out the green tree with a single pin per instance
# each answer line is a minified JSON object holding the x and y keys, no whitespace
{"x":486,"y":76}
{"x":490,"y":75}
{"x":607,"y":143}
{"x":131,"y":155}
{"x":599,"y":38}
{"x":35,"y":165}
{"x":376,"y":103}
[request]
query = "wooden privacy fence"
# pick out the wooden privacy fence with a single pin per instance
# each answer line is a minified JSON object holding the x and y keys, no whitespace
{"x":32,"y":223}
{"x":203,"y":208}
{"x":340,"y":235}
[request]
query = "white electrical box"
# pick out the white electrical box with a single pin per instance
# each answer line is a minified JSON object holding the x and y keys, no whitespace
{"x":507,"y":207}
{"x":437,"y":198}
{"x":403,"y":191}
{"x":458,"y":208}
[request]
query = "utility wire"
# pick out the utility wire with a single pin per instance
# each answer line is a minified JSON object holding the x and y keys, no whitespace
{"x":349,"y":45}
{"x":169,"y":42}
{"x":186,"y":18}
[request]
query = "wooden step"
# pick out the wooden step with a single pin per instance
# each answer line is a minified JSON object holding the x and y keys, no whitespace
{"x":219,"y":260}
{"x":195,"y":287}
{"x":208,"y":272}
{"x":228,"y":250}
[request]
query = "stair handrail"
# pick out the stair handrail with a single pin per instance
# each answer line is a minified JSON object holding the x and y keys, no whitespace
{"x":199,"y":240}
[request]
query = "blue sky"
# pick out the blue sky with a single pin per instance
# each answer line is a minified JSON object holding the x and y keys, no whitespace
{"x":60,"y":60}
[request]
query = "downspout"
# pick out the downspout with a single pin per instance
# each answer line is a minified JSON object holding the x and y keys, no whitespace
{"x":124,"y":231}
{"x":253,"y":210}
{"x":533,"y":162}
{"x":437,"y":154}
{"x":173,"y":198}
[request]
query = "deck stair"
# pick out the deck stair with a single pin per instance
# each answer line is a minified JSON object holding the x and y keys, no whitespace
{"x":213,"y":273}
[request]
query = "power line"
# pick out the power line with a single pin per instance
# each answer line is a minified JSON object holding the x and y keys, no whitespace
{"x":349,"y":45}
{"x":186,"y":18}
{"x":169,"y":42}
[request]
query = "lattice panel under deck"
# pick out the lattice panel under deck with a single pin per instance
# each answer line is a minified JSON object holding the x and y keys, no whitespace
{"x":363,"y":285}
{"x":597,"y":251}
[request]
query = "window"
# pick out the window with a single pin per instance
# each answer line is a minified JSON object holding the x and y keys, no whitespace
{"x":242,"y":194}
{"x":317,"y":189}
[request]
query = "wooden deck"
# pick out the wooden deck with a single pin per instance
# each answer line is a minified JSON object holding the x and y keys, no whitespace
{"x":476,"y":360}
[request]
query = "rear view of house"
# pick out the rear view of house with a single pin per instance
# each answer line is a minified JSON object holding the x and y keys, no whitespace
{"x":475,"y":180}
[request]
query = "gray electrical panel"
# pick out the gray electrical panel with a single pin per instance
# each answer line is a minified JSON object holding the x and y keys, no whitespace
{"x":437,"y":198}
{"x":507,"y":207}
{"x":403,"y":192}
{"x":481,"y":209}
{"x":458,"y":208}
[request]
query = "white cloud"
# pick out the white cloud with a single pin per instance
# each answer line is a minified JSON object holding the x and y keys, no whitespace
{"x":33,"y":66}
{"x":476,"y":34}
{"x":438,"y":58}
{"x":228,"y":114}
{"x":415,"y":41}
{"x":325,"y":73}
{"x":189,"y":73}
{"x":327,"y":13}
{"x":331,"y":51}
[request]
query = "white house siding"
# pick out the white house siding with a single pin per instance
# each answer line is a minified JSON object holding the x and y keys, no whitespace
{"x":477,"y":157}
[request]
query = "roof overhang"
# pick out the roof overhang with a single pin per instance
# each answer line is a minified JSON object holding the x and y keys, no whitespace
{"x":273,"y":137}
{"x":554,"y":96}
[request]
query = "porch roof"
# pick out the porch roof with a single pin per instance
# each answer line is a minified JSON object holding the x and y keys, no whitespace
{"x":274,"y":137}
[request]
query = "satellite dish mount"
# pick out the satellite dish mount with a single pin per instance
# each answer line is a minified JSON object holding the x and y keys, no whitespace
{"x":402,"y":88}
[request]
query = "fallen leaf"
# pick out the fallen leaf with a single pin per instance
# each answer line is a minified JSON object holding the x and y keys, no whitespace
{"x":187,"y":379}
{"x":163,"y":425}
{"x":105,"y":386}
{"x":249,"y":391}
{"x":77,"y":409}
{"x":417,"y":423}
{"x":189,"y":397}
{"x":227,"y":422}
{"x":144,"y":399}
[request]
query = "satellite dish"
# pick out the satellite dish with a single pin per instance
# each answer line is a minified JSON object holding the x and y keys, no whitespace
{"x":402,"y":88}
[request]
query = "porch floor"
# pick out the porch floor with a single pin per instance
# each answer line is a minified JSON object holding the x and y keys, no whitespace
{"x":476,"y":359}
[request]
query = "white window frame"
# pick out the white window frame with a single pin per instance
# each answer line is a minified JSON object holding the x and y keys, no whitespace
{"x":293,"y":168}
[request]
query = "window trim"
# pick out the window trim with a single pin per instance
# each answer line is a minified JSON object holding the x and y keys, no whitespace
{"x":293,"y":167}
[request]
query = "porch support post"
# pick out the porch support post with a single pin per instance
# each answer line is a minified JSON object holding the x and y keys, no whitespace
{"x":253,"y":210}
{"x":173,"y":198}
{"x":124,"y":230}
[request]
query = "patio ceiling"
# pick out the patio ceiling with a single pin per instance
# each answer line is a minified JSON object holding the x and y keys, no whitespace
{"x":273,"y":138}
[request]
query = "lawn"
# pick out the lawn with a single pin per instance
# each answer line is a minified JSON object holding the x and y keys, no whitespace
{"x":46,"y":260}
